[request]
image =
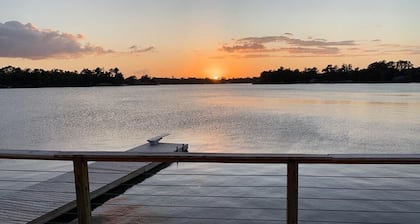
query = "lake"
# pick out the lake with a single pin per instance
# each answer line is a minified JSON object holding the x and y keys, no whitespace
{"x":300,"y":118}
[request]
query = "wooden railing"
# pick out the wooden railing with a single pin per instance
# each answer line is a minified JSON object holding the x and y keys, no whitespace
{"x":80,"y":159}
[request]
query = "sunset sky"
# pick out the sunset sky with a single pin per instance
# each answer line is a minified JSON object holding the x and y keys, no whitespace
{"x":206,"y":38}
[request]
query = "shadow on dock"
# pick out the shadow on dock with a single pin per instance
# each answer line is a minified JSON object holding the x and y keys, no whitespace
{"x":71,"y":216}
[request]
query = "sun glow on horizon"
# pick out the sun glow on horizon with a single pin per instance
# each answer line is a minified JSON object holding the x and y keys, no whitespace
{"x":214,"y":72}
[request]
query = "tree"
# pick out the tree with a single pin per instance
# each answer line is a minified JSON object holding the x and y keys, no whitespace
{"x":330,"y":69}
{"x":346,"y":68}
{"x":145,"y":78}
{"x":403,"y":65}
{"x":117,"y":75}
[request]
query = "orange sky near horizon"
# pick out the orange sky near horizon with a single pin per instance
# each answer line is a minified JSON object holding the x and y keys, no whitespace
{"x":189,"y":38}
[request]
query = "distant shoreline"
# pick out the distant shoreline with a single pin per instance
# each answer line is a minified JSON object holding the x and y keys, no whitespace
{"x":377,"y":72}
{"x":168,"y":84}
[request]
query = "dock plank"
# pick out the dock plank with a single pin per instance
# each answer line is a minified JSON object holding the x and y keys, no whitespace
{"x":49,"y":199}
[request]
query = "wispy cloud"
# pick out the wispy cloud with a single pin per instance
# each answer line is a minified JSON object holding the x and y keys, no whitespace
{"x":135,"y":49}
{"x":296,"y":42}
{"x":258,"y":56}
{"x":393,"y":48}
{"x":414,"y":51}
{"x":20,"y":40}
{"x":284,"y":43}
{"x":287,"y":45}
{"x":320,"y":50}
{"x":244,"y":47}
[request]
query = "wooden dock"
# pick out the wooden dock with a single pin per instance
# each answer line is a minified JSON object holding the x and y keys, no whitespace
{"x":49,"y":199}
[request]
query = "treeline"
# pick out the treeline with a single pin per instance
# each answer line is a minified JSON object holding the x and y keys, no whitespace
{"x":377,"y":72}
{"x":16,"y":77}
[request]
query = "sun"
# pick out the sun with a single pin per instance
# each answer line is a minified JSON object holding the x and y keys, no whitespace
{"x":214,"y":72}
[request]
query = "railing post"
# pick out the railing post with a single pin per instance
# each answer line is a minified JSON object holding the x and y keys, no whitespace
{"x":292,"y":192}
{"x":81,"y":181}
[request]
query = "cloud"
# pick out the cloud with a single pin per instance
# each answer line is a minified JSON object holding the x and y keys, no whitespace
{"x":414,"y":51}
{"x":371,"y":50}
{"x":320,"y":39}
{"x":321,"y":50}
{"x":20,"y":40}
{"x":295,"y":41}
{"x":285,"y":43}
{"x":391,"y":45}
{"x":135,"y":49}
{"x":380,"y":47}
{"x":258,"y":56}
{"x":290,"y":46}
{"x":244,"y":47}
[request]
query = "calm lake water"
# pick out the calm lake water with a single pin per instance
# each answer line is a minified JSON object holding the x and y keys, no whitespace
{"x":316,"y":118}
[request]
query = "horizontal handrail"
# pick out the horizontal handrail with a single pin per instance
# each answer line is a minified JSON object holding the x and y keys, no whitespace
{"x":80,"y":159}
{"x":212,"y":157}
